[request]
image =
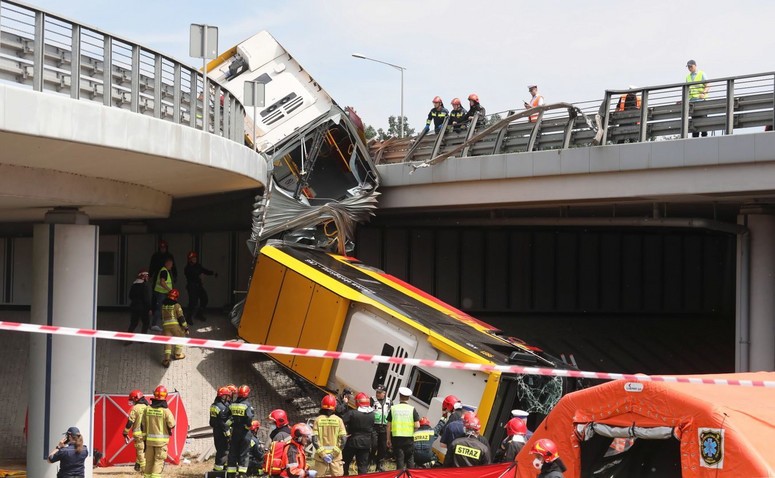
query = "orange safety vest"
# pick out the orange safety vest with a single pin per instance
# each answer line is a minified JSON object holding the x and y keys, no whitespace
{"x":533,"y":103}
{"x":623,"y":100}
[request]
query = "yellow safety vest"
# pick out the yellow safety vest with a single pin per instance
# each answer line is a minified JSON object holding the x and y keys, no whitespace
{"x":402,"y":420}
{"x":696,"y":91}
{"x":156,"y":425}
{"x":158,"y":284}
{"x":134,"y":415}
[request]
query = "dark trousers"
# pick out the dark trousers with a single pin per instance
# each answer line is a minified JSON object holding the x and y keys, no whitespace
{"x":379,"y":450}
{"x":239,"y":449}
{"x":197,"y":300}
{"x":221,"y":449}
{"x":156,"y":301}
{"x":403,"y":451}
{"x":136,"y":317}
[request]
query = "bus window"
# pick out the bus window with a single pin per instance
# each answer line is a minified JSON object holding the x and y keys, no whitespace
{"x":382,"y":369}
{"x":424,"y":385}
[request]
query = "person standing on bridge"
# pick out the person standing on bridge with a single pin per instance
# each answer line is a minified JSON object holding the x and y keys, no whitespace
{"x":456,"y":115}
{"x":535,"y":101}
{"x":475,"y":110}
{"x":437,"y":115}
{"x":698,"y":92}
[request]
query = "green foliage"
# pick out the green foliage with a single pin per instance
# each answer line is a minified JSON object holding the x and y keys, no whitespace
{"x":394,"y":129}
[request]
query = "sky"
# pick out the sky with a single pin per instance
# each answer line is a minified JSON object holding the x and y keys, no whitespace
{"x":574,"y":50}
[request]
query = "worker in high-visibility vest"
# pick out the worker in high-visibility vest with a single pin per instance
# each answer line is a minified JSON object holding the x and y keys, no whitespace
{"x":156,"y":424}
{"x":162,"y":285}
{"x":536,"y":100}
{"x":402,"y":421}
{"x":698,"y":92}
{"x":138,"y":402}
{"x":629,"y":101}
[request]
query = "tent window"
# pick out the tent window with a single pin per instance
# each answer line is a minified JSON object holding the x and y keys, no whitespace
{"x":643,"y":459}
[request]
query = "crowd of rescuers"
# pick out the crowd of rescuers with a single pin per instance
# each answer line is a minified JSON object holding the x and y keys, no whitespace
{"x":349,"y":428}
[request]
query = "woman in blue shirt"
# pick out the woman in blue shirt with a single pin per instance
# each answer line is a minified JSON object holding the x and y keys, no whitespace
{"x":71,"y":453}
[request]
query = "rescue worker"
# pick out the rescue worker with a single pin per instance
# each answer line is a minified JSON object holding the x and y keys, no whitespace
{"x":343,"y":402}
{"x":197,"y":295}
{"x":451,"y":411}
{"x":475,"y":110}
{"x":535,"y":100}
{"x":522,"y":415}
{"x":329,"y":437}
{"x":294,"y":460}
{"x":174,"y":324}
{"x":437,"y":115}
{"x":140,"y":304}
{"x":514,"y":441}
{"x":381,"y":405}
{"x":360,"y":426}
{"x":158,"y":259}
{"x":402,"y":421}
{"x":546,"y":459}
{"x":469,"y":450}
{"x":71,"y":454}
{"x":281,"y":429}
{"x":220,"y":422}
{"x":233,"y":389}
{"x":138,"y":402}
{"x":455,"y":430}
{"x":156,"y":424}
{"x":255,"y":449}
{"x":456,"y":115}
{"x":628,"y":101}
{"x":162,"y":286}
{"x":698,"y":92}
{"x":242,"y":417}
{"x":423,"y":442}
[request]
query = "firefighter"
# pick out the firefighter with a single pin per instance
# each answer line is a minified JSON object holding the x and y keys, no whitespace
{"x":242,"y":417}
{"x":403,"y":420}
{"x":233,"y":389}
{"x":156,"y":424}
{"x":197,"y":295}
{"x":423,"y":443}
{"x":456,"y":115}
{"x":329,"y":438}
{"x":138,"y":402}
{"x":437,"y":115}
{"x":514,"y":441}
{"x":451,"y":411}
{"x":174,"y":325}
{"x":220,"y":421}
{"x":281,"y":429}
{"x":381,"y":405}
{"x":469,"y":450}
{"x":294,"y":459}
{"x":475,"y":110}
{"x":546,"y":459}
{"x":256,"y":449}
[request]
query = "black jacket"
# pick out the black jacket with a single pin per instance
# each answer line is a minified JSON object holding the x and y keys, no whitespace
{"x":468,"y":451}
{"x":554,"y":469}
{"x":359,"y":426}
{"x":140,"y":297}
{"x":194,"y":274}
{"x":220,"y":416}
{"x":476,"y":110}
{"x":71,"y":463}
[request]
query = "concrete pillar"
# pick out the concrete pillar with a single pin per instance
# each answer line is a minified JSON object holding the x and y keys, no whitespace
{"x":64,"y":291}
{"x":761,"y":298}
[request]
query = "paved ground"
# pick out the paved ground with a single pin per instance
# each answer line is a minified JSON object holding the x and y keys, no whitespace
{"x":121,"y":368}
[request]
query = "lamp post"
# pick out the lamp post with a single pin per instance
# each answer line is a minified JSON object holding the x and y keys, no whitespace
{"x":399,"y":68}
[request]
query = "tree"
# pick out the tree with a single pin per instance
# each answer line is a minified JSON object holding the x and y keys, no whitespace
{"x":394,"y":129}
{"x":370,"y":132}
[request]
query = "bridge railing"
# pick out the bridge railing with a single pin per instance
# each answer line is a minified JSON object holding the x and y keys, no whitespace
{"x":47,"y":52}
{"x":665,"y":112}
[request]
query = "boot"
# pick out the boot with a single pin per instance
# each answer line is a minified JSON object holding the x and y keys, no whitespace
{"x":180,"y":356}
{"x":166,"y":362}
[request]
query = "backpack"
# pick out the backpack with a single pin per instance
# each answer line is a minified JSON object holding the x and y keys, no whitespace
{"x":275,"y":459}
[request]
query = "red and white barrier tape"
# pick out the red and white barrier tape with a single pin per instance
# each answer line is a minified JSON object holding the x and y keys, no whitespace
{"x":274,"y":349}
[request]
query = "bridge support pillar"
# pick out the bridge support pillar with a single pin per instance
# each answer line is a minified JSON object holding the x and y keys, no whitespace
{"x":61,"y":369}
{"x":761,"y":296}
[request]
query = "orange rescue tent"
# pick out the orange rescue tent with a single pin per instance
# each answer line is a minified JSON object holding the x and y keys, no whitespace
{"x":671,"y":430}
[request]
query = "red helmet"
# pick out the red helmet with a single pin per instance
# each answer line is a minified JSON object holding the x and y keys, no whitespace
{"x":192,"y":255}
{"x":424,"y":421}
{"x":449,"y":402}
{"x":163,"y":243}
{"x":473,"y":97}
{"x":233,"y":389}
{"x":546,"y":449}
{"x":224,"y":392}
{"x":299,"y":431}
{"x":142,"y":274}
{"x":243,"y":391}
{"x":160,"y":393}
{"x":516,"y":426}
{"x":173,"y":294}
{"x":255,"y":425}
{"x":136,"y":395}
{"x":471,"y":422}
{"x":467,"y":416}
{"x":279,"y":417}
{"x":328,"y":402}
{"x":455,"y":101}
{"x":437,"y":99}
{"x":362,"y":400}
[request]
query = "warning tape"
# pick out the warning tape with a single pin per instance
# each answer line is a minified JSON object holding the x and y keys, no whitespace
{"x":332,"y":354}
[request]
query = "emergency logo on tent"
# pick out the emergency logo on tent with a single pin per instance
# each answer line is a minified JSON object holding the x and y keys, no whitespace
{"x":711,"y":447}
{"x":633,"y":387}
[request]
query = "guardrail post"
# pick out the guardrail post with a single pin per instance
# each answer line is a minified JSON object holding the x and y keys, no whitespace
{"x":501,"y":135}
{"x":192,"y":99}
{"x":40,"y":46}
{"x":75,"y":61}
{"x":730,"y":122}
{"x":107,"y":70}
{"x":439,"y":137}
{"x":644,"y":116}
{"x":134,"y":92}
{"x":534,"y":132}
{"x":568,"y":131}
{"x":217,"y":107}
{"x":157,"y":86}
{"x":606,"y":114}
{"x":176,"y":94}
{"x":471,"y":128}
{"x":684,"y":111}
{"x":773,"y":102}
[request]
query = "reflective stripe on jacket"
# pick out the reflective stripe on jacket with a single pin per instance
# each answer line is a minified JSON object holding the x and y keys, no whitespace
{"x":159,"y":281}
{"x":697,"y":91}
{"x":402,"y":420}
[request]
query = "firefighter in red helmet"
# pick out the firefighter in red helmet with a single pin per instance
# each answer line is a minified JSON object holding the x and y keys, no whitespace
{"x":471,"y":449}
{"x":328,"y":437}
{"x":437,"y":115}
{"x":242,"y":416}
{"x":156,"y":425}
{"x":138,"y":402}
{"x":174,"y":325}
{"x":546,"y":459}
{"x":475,"y":110}
{"x":280,"y":428}
{"x":220,"y":421}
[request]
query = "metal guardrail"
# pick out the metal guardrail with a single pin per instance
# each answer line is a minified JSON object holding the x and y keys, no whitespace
{"x":665,"y":113}
{"x":50,"y":53}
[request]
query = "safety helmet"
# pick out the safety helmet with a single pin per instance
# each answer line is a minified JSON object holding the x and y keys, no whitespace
{"x":142,"y":274}
{"x":163,"y":243}
{"x":455,"y":101}
{"x":160,"y":393}
{"x":255,"y":425}
{"x":243,"y":391}
{"x":136,"y":395}
{"x":546,"y":449}
{"x":473,"y":97}
{"x":449,"y":402}
{"x":279,"y":417}
{"x":516,"y":426}
{"x":471,"y":422}
{"x":173,"y":294}
{"x":192,"y":255}
{"x":328,"y":402}
{"x":437,"y":99}
{"x":467,"y":416}
{"x":224,"y":392}
{"x":299,"y":431}
{"x":362,"y":400}
{"x":233,"y":389}
{"x":424,"y":421}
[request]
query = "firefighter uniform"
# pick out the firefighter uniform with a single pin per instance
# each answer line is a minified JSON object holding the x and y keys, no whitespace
{"x":239,"y":449}
{"x":220,"y":421}
{"x":468,"y":451}
{"x":423,"y":443}
{"x":330,"y":432}
{"x":137,"y":434}
{"x":174,"y":325}
{"x":156,"y":423}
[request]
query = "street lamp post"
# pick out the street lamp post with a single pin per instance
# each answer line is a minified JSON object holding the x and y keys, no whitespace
{"x":399,"y":68}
